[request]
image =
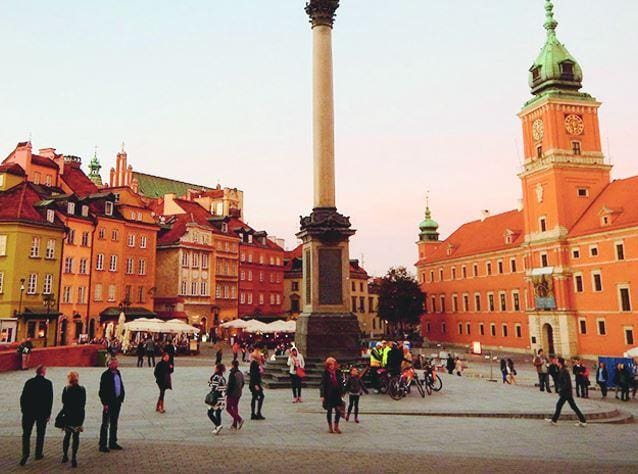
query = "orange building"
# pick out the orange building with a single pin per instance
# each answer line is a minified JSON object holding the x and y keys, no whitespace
{"x":558,"y":272}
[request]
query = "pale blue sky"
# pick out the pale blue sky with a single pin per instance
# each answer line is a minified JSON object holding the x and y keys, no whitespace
{"x":204,"y":90}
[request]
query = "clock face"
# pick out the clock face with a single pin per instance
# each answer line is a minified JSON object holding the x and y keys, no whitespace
{"x":537,"y":129}
{"x":574,"y":125}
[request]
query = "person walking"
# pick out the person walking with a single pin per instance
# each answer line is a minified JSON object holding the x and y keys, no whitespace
{"x":617,"y":372}
{"x":255,"y":385}
{"x":504,"y":371}
{"x":235,"y":349}
{"x":458,"y":366}
{"x":149,"y":346}
{"x":564,"y":390}
{"x":540,"y":363}
{"x":296,"y":366}
{"x":450,"y":364}
{"x":233,"y":394}
{"x":217,"y":385}
{"x":625,"y":382}
{"x":553,"y":370}
{"x":111,"y":395}
{"x":355,"y":389}
{"x":331,"y":393}
{"x":511,"y":371}
{"x":36,"y":402}
{"x":25,"y":350}
{"x":218,"y":356}
{"x":139,"y":352}
{"x":584,"y":381}
{"x":601,"y":378}
{"x":169,"y":348}
{"x":73,"y":403}
{"x":162,"y":372}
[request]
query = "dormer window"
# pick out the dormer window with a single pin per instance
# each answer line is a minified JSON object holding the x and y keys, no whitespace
{"x":50,"y":216}
{"x":117,"y":197}
{"x":576,"y":148}
{"x":108,"y":208}
{"x":567,"y":70}
{"x":70,"y":208}
{"x":250,"y":238}
{"x":85,"y":211}
{"x":605,"y":220}
{"x":536,"y":73}
{"x":224,"y":227}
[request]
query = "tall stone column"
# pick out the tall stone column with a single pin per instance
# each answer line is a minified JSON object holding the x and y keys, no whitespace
{"x":325,"y":327}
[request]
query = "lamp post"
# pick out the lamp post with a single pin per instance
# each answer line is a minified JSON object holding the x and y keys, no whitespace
{"x":49,"y":300}
{"x":21,"y":293}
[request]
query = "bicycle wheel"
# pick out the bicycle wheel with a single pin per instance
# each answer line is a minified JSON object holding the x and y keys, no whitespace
{"x":419,"y":387}
{"x":428,"y":387}
{"x":437,"y":384}
{"x":394,"y":390}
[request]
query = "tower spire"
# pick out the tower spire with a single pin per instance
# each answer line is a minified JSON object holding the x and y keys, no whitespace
{"x":550,"y":22}
{"x":94,"y":169}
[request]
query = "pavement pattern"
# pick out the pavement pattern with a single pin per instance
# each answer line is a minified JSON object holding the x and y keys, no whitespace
{"x":294,"y":436}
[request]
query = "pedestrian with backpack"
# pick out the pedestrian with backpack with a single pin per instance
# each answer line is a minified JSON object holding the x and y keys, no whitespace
{"x":216,"y":398}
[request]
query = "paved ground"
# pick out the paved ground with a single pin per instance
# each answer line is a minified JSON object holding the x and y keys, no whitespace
{"x":294,"y":436}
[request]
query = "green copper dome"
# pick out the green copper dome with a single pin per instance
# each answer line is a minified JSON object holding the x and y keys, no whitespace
{"x":94,"y":170}
{"x":554,"y":68}
{"x":428,"y":227}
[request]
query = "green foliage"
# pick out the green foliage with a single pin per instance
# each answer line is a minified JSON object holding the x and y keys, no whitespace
{"x":400,"y":298}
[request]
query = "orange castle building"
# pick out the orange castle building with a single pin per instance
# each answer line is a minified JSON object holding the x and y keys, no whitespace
{"x":561,"y":272}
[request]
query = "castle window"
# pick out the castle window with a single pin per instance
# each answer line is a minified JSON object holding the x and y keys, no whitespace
{"x":513,"y":265}
{"x":542,"y":224}
{"x":620,"y":251}
{"x":629,"y":336}
{"x":605,"y":220}
{"x":578,"y":283}
{"x":602,"y":330}
{"x":539,"y":151}
{"x":597,"y":281}
{"x":544,"y":260}
{"x":482,"y":329}
{"x":576,"y":148}
{"x":567,"y":70}
{"x":582,"y":325}
{"x":576,"y":253}
{"x":625,"y":300}
{"x":519,"y":330}
{"x":536,"y":73}
{"x":593,"y":251}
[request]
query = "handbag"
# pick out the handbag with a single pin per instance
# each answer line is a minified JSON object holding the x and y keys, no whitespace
{"x":60,"y":420}
{"x":212,"y":398}
{"x":301,"y":372}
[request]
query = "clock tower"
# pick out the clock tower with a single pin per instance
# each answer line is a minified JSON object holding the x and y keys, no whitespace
{"x":564,"y":165}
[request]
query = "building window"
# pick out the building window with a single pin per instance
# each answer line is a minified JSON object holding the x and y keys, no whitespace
{"x":593,"y":251}
{"x":620,"y":251}
{"x":113,"y":263}
{"x":544,"y":260}
{"x":249,"y":298}
{"x":629,"y":336}
{"x":460,"y":328}
{"x":504,"y":327}
{"x":433,"y":304}
{"x":542,"y":224}
{"x":493,"y":329}
{"x":576,"y":149}
{"x":464,"y":271}
{"x":466,"y":303}
{"x":576,"y":253}
{"x":82,"y":295}
{"x":204,"y":261}
{"x":482,"y":329}
{"x":597,"y":281}
{"x":140,"y":294}
{"x":112,"y":294}
{"x":129,"y":266}
{"x":428,"y":327}
{"x":131,"y":240}
{"x":66,"y":294}
{"x":453,"y":273}
{"x":500,"y":266}
{"x":578,"y":283}
{"x":539,"y":151}
{"x":582,"y":325}
{"x":70,"y":237}
{"x":518,"y":330}
{"x":602,"y":330}
{"x":143,"y":241}
{"x":250,"y":275}
{"x":108,"y":208}
{"x":68,"y":265}
{"x":3,"y":245}
{"x":490,"y":300}
{"x":455,"y":303}
{"x":1,"y":282}
{"x":431,"y":276}
{"x":194,"y":288}
{"x":261,"y":298}
{"x":443,"y":327}
{"x":442,"y":298}
{"x":195,"y":260}
{"x":35,"y":247}
{"x":582,"y":192}
{"x":185,"y":258}
{"x":101,"y":233}
{"x":475,"y":270}
{"x":99,"y":262}
{"x":488,"y":268}
{"x":85,"y":239}
{"x":32,"y":284}
{"x":625,"y":299}
{"x":467,"y":328}
{"x":97,"y":295}
{"x":503,"y":301}
{"x":516,"y":299}
{"x":84,"y":264}
{"x":115,"y":235}
{"x":50,"y":250}
{"x":48,"y":284}
{"x":477,"y":302}
{"x":242,"y":275}
{"x":85,"y":211}
{"x":184,"y":287}
{"x":142,"y":267}
{"x":440,"y":274}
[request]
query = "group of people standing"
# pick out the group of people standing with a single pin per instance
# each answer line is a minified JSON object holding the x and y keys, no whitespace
{"x":36,"y":403}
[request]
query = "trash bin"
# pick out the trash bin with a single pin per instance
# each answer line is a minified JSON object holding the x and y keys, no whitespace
{"x":101,"y":358}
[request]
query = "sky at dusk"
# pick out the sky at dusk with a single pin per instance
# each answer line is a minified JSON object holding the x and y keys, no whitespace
{"x":220,"y":91}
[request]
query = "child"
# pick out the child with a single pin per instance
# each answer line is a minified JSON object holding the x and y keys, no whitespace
{"x":355,"y":388}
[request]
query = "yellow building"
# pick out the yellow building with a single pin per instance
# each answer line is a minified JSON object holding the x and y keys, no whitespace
{"x":31,"y":237}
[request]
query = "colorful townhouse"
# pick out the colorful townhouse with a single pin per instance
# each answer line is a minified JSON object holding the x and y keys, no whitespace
{"x":558,"y":273}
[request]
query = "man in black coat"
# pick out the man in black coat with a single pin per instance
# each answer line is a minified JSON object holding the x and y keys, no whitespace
{"x":36,"y":402}
{"x":564,"y":390}
{"x":395,"y":358}
{"x":111,"y":395}
{"x":255,"y":385}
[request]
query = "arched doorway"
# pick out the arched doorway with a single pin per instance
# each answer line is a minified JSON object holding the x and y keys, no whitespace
{"x":548,"y":339}
{"x":63,"y":330}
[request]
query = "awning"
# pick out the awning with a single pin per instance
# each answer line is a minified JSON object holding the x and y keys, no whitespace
{"x":113,"y":313}
{"x":39,"y":313}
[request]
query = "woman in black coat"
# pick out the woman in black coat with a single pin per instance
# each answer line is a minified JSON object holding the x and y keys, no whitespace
{"x":163,"y":371}
{"x":331,"y":392}
{"x":73,"y":403}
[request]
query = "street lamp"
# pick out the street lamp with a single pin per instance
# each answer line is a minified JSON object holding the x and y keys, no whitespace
{"x":21,"y":293}
{"x":49,"y":300}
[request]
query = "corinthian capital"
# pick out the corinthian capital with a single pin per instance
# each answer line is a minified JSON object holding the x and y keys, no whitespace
{"x":322,"y":12}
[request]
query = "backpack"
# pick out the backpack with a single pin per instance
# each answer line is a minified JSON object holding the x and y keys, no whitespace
{"x":212,"y":397}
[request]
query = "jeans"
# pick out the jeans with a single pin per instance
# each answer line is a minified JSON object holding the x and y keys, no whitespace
{"x":559,"y":406}
{"x":337,"y":415}
{"x":140,"y":360}
{"x":150,"y":357}
{"x":76,"y":443}
{"x":256,"y":401}
{"x":27,"y":428}
{"x":624,"y":392}
{"x":353,"y":403}
{"x":215,"y":415}
{"x":232,"y":407}
{"x":109,"y":424}
{"x":543,"y":381}
{"x":161,"y":395}
{"x":295,"y":381}
{"x":603,"y":388}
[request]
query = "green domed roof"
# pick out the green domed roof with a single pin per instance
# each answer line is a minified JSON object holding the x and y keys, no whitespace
{"x":555,"y":68}
{"x":428,"y":227}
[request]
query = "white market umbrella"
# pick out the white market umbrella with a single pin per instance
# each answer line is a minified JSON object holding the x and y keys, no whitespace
{"x":119,"y":330}
{"x":281,"y":326}
{"x":235,"y":324}
{"x":178,"y":326}
{"x":632,"y":352}
{"x":257,"y":326}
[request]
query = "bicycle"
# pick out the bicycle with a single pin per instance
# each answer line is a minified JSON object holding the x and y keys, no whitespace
{"x":432,"y":380}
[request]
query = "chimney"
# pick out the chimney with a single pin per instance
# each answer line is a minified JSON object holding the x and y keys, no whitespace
{"x":112,"y":177}
{"x":50,"y":153}
{"x":485,"y":213}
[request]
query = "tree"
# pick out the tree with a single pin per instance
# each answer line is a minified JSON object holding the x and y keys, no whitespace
{"x":400,"y":299}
